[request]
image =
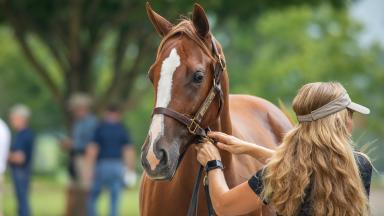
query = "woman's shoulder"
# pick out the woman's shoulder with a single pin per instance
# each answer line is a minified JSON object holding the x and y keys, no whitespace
{"x":365,"y":169}
{"x":363,"y":162}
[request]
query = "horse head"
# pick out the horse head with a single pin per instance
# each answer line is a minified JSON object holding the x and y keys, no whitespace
{"x":182,"y":76}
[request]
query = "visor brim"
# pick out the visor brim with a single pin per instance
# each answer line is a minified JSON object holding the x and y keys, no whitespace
{"x":359,"y":108}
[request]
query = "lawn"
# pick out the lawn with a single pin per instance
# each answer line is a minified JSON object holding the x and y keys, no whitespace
{"x":48,"y":199}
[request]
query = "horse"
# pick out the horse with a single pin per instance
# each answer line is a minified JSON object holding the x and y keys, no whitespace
{"x":182,"y":76}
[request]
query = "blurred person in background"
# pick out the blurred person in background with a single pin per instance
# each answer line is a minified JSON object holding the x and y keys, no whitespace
{"x":20,"y":156}
{"x":5,"y":139}
{"x":110,"y":149}
{"x":83,"y":127}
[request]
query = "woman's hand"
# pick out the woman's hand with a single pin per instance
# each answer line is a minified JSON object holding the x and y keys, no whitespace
{"x":206,"y":151}
{"x":229,"y":143}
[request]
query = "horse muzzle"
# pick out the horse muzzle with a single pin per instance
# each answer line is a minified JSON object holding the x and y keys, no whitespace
{"x":160,"y":163}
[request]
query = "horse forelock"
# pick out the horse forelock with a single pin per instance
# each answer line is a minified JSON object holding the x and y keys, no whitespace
{"x":185,"y":27}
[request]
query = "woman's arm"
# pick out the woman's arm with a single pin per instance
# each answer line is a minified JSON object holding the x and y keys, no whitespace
{"x":91,"y":152}
{"x":129,"y":156}
{"x":235,"y":145}
{"x":236,"y":201}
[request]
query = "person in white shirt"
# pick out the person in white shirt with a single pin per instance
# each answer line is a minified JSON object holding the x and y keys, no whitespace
{"x":5,"y":139}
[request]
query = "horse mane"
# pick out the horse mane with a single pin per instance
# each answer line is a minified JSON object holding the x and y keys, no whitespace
{"x":186,"y":27}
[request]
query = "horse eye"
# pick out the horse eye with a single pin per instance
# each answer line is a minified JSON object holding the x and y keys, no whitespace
{"x":198,"y":77}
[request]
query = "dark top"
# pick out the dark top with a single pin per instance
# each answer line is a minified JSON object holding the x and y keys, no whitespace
{"x":23,"y":141}
{"x":365,"y":168}
{"x":111,"y":138}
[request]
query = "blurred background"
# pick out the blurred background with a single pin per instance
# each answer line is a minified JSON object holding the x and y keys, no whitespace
{"x":51,"y":49}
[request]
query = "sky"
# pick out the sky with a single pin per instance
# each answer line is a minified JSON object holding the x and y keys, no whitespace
{"x":370,"y":13}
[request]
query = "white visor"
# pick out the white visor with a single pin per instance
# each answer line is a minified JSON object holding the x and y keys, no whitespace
{"x":359,"y":108}
{"x":333,"y":107}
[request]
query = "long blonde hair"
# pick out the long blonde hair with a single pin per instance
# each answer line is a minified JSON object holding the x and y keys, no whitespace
{"x":319,"y":155}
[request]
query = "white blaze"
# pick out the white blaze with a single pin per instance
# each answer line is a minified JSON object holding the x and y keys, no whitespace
{"x":164,"y":91}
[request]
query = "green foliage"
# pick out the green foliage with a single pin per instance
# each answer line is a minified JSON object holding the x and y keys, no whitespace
{"x":285,"y":49}
{"x":18,"y":84}
{"x":74,"y":33}
{"x":46,"y":155}
{"x":269,"y":54}
{"x":272,"y":48}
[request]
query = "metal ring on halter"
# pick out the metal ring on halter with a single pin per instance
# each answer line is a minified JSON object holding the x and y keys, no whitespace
{"x":193,"y":126}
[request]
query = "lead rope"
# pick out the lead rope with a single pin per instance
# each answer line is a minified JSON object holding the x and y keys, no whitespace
{"x":211,"y":211}
{"x":194,"y":204}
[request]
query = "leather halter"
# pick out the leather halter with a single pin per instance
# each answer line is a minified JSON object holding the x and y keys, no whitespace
{"x":194,"y":124}
{"x":195,"y":128}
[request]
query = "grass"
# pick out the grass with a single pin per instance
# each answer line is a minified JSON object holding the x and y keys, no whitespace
{"x":47,"y":198}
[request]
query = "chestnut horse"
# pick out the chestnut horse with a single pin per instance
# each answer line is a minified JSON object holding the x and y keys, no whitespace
{"x":182,"y":76}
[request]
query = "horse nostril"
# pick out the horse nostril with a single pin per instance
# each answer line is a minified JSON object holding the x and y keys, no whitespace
{"x":163,"y":157}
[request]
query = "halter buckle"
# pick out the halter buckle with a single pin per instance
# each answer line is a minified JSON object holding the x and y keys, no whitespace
{"x":192,"y":128}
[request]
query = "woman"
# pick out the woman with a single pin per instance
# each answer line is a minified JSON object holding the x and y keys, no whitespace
{"x":313,"y":172}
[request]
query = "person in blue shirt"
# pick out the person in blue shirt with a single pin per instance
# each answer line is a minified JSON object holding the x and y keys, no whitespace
{"x":82,"y":130}
{"x":110,"y":150}
{"x":20,"y":157}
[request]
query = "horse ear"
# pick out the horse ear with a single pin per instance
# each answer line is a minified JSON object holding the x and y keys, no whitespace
{"x":200,"y":20}
{"x":162,"y":25}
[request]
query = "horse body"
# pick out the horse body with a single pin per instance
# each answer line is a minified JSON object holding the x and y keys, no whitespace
{"x":182,"y":76}
{"x":252,"y":119}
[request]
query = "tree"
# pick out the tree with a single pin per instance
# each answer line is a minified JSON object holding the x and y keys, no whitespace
{"x":298,"y":45}
{"x":100,"y":47}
